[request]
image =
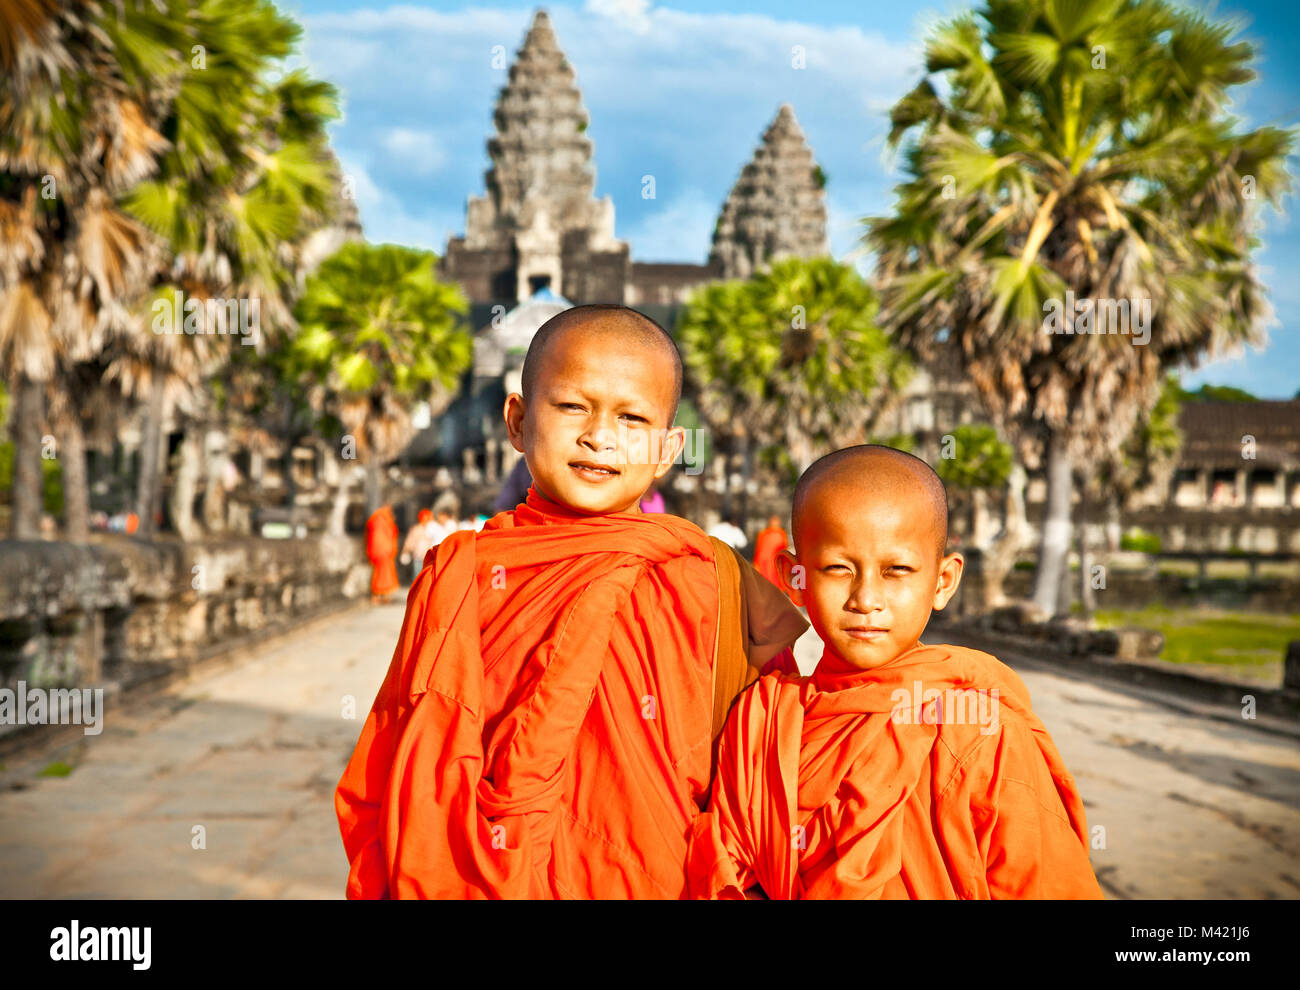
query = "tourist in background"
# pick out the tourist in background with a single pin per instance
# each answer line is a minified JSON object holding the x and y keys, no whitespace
{"x":729,"y":533}
{"x":515,"y":488}
{"x":653,"y":501}
{"x":418,"y":541}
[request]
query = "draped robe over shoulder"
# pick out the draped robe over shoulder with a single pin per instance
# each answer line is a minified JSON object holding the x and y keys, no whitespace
{"x":889,"y":784}
{"x":544,"y":727}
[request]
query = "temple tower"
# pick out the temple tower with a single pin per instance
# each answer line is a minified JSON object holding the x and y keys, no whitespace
{"x":777,"y":207}
{"x":539,"y":225}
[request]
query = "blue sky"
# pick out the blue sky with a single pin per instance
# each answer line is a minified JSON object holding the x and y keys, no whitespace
{"x":682,"y":92}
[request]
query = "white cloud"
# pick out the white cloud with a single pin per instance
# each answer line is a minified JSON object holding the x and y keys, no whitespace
{"x":674,"y":229}
{"x":387,"y":218}
{"x":633,"y":12}
{"x":418,"y":150}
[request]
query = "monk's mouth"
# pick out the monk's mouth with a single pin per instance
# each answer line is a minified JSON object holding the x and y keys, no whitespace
{"x":867,"y":635}
{"x":593,"y":472}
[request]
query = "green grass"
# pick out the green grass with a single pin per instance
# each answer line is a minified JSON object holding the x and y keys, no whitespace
{"x":56,"y":769}
{"x":1205,"y":635}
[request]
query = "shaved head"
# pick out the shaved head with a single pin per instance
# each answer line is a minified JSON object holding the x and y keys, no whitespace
{"x":879,"y":470}
{"x":621,"y":324}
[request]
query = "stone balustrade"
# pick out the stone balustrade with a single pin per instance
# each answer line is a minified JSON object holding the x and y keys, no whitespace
{"x":120,"y":610}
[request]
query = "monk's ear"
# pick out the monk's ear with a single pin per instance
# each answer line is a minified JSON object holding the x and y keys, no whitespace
{"x":514,"y":413}
{"x":950,"y":568}
{"x":670,"y":446}
{"x":793,"y":576}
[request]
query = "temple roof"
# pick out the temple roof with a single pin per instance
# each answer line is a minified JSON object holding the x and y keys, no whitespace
{"x":501,"y":344}
{"x":1213,"y":432}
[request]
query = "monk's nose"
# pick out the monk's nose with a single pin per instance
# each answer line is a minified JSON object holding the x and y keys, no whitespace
{"x":600,"y":436}
{"x":866,"y":596}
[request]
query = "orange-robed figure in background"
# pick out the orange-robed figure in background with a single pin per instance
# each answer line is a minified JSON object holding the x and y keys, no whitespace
{"x":897,"y":770}
{"x":767,"y":546}
{"x":545,"y":729}
{"x":382,"y":537}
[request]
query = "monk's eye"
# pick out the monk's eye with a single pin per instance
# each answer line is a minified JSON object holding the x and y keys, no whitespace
{"x":901,"y":569}
{"x":634,"y":418}
{"x":569,"y":405}
{"x":835,"y":569}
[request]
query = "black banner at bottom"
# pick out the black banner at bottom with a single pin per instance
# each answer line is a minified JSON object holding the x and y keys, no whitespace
{"x":170,"y":939}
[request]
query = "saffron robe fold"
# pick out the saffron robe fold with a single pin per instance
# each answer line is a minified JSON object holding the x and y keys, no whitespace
{"x":544,"y":729}
{"x":382,"y":537}
{"x":889,"y":784}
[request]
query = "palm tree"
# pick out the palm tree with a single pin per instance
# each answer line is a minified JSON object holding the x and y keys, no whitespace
{"x":75,"y":131}
{"x":377,"y":333}
{"x":1076,"y":145}
{"x":247,"y":178}
{"x":792,"y":359}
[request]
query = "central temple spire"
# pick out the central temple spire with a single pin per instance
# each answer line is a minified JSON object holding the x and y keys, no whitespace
{"x":540,"y":146}
{"x":539,"y":224}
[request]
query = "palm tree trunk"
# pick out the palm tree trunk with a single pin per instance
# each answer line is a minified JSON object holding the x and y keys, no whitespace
{"x":214,"y":489}
{"x":290,"y":485}
{"x":1065,"y":587}
{"x":801,"y":444}
{"x":1086,"y":597}
{"x":1054,"y":543}
{"x":1006,"y":548}
{"x":25,"y":521}
{"x":374,"y":487}
{"x":980,"y":537}
{"x":76,"y":483}
{"x":342,"y":496}
{"x":187,"y":475}
{"x":148,"y":484}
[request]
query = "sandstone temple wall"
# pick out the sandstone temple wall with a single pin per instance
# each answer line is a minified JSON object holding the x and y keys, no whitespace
{"x":122,"y":611}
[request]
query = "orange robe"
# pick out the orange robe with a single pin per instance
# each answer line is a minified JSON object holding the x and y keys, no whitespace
{"x":381,"y":548}
{"x":544,"y":729}
{"x":842,"y":785}
{"x":767,"y":545}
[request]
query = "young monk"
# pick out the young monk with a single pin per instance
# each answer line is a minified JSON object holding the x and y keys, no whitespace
{"x":896,"y":770}
{"x":546,"y":726}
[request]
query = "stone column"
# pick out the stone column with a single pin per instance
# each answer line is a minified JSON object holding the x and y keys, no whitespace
{"x":470,"y":473}
{"x":1291,"y":666}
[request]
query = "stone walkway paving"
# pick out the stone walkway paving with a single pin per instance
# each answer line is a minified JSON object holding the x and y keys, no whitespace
{"x":1191,"y":806}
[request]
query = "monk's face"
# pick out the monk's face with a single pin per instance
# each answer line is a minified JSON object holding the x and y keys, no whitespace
{"x":870,"y":569}
{"x":595,"y":430}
